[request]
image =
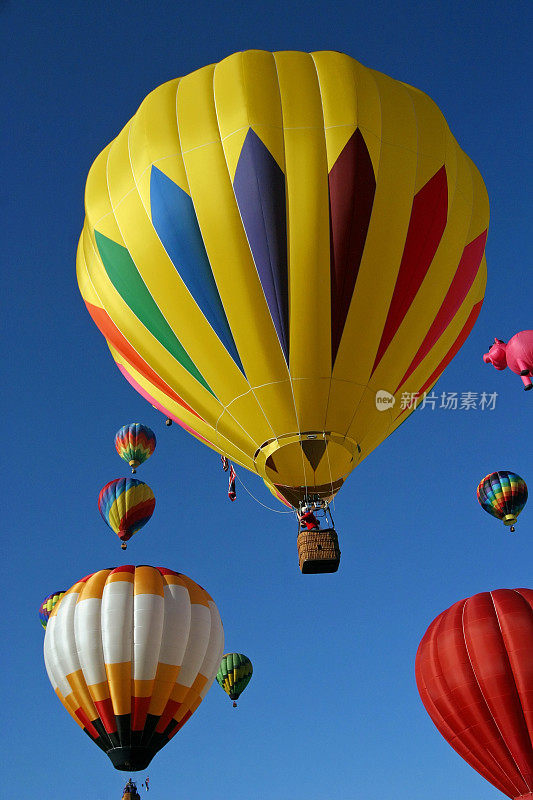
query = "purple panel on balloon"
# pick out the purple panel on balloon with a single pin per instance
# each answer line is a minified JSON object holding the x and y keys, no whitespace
{"x":259,"y":187}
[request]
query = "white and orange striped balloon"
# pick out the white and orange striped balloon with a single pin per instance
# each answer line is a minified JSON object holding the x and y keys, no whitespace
{"x":131,"y":652}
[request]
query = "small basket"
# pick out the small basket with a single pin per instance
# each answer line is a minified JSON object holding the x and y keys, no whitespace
{"x":318,"y":551}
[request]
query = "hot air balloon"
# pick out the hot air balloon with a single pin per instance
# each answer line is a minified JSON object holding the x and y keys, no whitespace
{"x":130,"y":791}
{"x":135,"y":443}
{"x":517,"y":354}
{"x":45,"y":609}
{"x":279,"y":248}
{"x":126,"y":504}
{"x":234,"y":674}
{"x":503,"y":494}
{"x":131,"y":652}
{"x":474,"y":675}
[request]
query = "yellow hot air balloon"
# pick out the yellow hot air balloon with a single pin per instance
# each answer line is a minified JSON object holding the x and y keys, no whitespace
{"x":131,"y":652}
{"x":282,"y":251}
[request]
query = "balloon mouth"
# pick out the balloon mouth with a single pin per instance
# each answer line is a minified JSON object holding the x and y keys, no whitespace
{"x":307,"y":463}
{"x":133,"y":464}
{"x":130,"y":759}
{"x":510,"y":520}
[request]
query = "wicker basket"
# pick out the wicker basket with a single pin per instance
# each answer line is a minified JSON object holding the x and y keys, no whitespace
{"x":318,"y":551}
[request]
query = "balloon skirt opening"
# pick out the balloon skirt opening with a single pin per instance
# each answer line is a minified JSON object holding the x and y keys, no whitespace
{"x":130,"y":759}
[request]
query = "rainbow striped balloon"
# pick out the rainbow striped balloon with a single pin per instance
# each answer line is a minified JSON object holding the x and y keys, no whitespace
{"x":126,"y":504}
{"x":503,"y":494}
{"x":45,"y":609}
{"x":135,"y":443}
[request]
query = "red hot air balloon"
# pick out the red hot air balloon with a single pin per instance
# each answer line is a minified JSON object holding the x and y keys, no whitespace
{"x":474,"y":672}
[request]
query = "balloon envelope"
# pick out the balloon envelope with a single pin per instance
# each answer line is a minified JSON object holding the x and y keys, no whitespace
{"x":126,"y":504}
{"x":474,"y":672}
{"x":234,"y":674}
{"x":131,"y":653}
{"x":135,"y":443}
{"x":281,"y":251}
{"x":503,"y":494}
{"x":45,"y":609}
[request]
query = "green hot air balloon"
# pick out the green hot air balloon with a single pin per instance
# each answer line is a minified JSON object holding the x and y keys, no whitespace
{"x":234,"y":674}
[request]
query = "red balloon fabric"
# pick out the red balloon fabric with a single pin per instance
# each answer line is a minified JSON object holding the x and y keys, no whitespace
{"x":474,"y":672}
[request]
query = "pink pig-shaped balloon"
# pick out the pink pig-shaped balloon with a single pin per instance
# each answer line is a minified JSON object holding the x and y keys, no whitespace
{"x":517,"y":354}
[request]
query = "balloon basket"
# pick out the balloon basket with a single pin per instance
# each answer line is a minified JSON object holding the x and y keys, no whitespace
{"x":318,"y":551}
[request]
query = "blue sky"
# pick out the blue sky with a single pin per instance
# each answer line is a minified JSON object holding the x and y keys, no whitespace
{"x":332,"y":712}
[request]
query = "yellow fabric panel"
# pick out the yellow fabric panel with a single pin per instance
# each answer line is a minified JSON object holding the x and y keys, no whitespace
{"x":224,"y":238}
{"x":343,"y":401}
{"x":119,"y":677}
{"x":308,"y":225}
{"x":386,"y":235}
{"x":154,"y":140}
{"x":350,"y":100}
{"x":148,"y":581}
{"x":98,"y":209}
{"x":247,"y":95}
{"x":252,"y":417}
{"x":480,"y":210}
{"x":220,"y":441}
{"x":278,"y":398}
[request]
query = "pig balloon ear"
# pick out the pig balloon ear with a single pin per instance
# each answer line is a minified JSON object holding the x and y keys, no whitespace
{"x":498,"y":341}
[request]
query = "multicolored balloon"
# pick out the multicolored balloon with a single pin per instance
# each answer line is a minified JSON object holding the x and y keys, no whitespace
{"x":131,"y":652}
{"x":474,"y":675}
{"x":234,"y":674}
{"x":130,"y":791}
{"x":503,"y":494}
{"x":45,"y":609}
{"x":279,"y":247}
{"x":135,"y":443}
{"x":126,"y":504}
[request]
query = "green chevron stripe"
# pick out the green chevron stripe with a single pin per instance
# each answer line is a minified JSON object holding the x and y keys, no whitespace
{"x":124,"y":276}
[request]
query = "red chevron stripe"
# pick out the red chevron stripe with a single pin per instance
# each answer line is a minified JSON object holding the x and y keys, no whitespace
{"x":427,"y":223}
{"x":459,"y":342}
{"x":459,"y":288}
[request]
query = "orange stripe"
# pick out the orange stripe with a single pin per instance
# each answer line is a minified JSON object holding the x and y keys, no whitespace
{"x":148,"y":580}
{"x":165,"y":679}
{"x":81,"y":693}
{"x":121,"y":574}
{"x":94,"y":586}
{"x":120,"y":685}
{"x":112,"y":333}
{"x":99,"y":691}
